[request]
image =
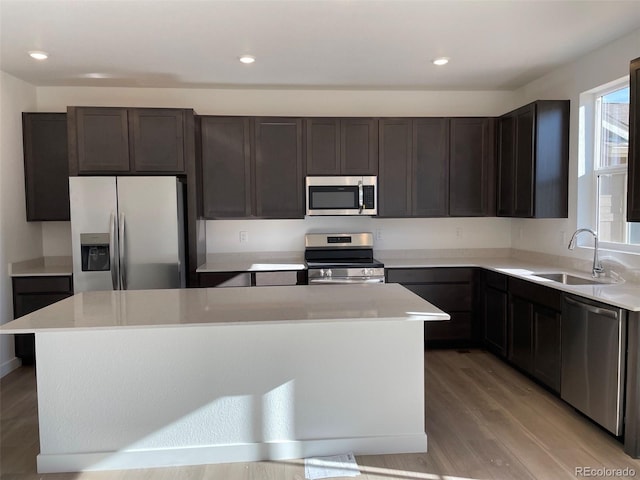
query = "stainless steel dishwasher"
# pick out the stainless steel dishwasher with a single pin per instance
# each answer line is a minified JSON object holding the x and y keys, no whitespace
{"x":593,"y":360}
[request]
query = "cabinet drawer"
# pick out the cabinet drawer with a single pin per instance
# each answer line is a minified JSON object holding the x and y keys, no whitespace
{"x":291,"y":277}
{"x":549,"y":297}
{"x":42,"y":284}
{"x":458,"y":298}
{"x":496,"y":280}
{"x":430,"y":275}
{"x":225,"y":279}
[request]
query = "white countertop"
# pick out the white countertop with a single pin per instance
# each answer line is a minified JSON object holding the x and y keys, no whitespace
{"x":42,"y":267}
{"x":228,"y":306}
{"x":623,"y":294}
{"x":253,"y":262}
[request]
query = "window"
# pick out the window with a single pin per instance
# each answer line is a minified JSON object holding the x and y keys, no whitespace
{"x":610,"y":151}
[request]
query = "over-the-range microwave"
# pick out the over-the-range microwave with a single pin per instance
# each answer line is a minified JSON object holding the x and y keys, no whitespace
{"x":342,"y":195}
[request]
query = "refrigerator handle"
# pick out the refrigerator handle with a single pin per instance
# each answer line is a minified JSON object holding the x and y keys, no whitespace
{"x":123,"y":257}
{"x":112,"y":252}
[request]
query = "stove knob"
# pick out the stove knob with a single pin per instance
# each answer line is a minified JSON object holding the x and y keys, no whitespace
{"x":367,"y":272}
{"x":322,"y":272}
{"x":328,"y":273}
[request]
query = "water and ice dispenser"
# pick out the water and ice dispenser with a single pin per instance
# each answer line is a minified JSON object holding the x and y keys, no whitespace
{"x":94,"y":250}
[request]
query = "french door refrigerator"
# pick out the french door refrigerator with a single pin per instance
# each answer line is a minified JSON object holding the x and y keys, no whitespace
{"x":127,"y":233}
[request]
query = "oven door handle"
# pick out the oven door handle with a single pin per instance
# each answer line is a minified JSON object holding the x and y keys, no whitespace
{"x":343,"y":281}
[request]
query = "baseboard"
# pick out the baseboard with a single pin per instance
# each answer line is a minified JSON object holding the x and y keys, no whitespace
{"x":9,"y":366}
{"x":249,"y":452}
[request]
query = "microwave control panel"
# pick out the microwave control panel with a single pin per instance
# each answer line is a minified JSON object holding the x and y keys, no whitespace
{"x":368,"y":194}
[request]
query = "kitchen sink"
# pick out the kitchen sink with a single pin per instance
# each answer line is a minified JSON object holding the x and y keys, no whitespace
{"x":568,"y":279}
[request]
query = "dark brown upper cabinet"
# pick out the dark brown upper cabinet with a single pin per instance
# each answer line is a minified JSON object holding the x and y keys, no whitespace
{"x":252,"y":167}
{"x":472,"y":167}
{"x":436,"y":167}
{"x":395,"y":182}
{"x":633,"y":195}
{"x":46,"y":166}
{"x":341,"y":146}
{"x":533,"y":160}
{"x":414,"y":167}
{"x":430,"y":169}
{"x":277,"y":156}
{"x":157,"y":140}
{"x":122,"y":141}
{"x":226,"y":167}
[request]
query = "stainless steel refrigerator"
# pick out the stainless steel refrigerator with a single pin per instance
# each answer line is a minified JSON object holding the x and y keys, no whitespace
{"x":127,"y":233}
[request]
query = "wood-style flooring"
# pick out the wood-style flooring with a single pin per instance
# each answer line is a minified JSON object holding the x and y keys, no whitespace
{"x":484,"y":421}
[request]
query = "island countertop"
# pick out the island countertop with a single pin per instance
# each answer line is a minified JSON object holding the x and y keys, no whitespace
{"x":227,"y":306}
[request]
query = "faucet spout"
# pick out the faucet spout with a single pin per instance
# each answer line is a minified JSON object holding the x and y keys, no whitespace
{"x":597,"y":270}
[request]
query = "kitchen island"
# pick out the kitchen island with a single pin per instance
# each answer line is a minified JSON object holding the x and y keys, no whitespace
{"x":146,"y":378}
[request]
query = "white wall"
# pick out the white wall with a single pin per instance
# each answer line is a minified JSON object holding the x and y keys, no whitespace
{"x":601,"y":66}
{"x":390,"y":234}
{"x":19,"y":240}
{"x":282,"y":235}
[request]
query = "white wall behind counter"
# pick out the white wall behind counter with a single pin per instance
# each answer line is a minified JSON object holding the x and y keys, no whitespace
{"x":223,"y":236}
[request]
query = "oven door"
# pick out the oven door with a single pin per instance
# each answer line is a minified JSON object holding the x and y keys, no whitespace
{"x":341,"y":195}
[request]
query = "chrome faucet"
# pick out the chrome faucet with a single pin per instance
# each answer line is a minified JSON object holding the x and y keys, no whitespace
{"x":597,"y":270}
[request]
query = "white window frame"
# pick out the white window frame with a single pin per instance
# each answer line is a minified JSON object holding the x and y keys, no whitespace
{"x":589,"y":158}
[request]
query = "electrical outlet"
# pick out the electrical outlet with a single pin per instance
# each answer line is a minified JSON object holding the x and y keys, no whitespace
{"x":378,"y":234}
{"x":563,"y":237}
{"x":244,"y":237}
{"x":459,"y":232}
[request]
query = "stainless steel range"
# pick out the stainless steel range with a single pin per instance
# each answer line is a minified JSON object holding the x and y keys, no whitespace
{"x":333,"y":258}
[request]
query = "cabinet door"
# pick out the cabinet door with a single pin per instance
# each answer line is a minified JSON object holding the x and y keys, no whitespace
{"x":358,"y":146}
{"x":430,"y":187}
{"x":633,"y":195}
{"x":46,"y":166}
{"x":157,"y":140}
{"x":506,"y":165}
{"x":322,"y":146}
{"x":495,"y":321}
{"x":524,"y":173}
{"x":278,"y":168}
{"x":394,"y":181}
{"x":226,"y":167}
{"x":520,"y":351}
{"x":547,"y":346}
{"x":102,"y":139}
{"x":471,"y":167}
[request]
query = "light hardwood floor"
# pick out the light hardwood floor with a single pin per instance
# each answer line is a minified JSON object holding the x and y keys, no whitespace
{"x":484,"y":421}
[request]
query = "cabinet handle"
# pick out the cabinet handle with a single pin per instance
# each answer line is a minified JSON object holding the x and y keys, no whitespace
{"x":123,"y":257}
{"x":112,"y":253}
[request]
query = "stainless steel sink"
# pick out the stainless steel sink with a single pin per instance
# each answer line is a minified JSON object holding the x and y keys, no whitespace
{"x":568,"y":279}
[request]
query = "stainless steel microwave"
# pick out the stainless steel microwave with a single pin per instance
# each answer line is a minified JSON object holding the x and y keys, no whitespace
{"x":342,"y":195}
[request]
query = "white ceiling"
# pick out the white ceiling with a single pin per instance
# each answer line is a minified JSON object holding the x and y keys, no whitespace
{"x":388,"y":44}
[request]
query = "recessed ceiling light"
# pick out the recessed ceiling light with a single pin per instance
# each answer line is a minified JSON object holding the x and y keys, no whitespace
{"x":247,"y":59}
{"x":441,"y":61}
{"x":38,"y":55}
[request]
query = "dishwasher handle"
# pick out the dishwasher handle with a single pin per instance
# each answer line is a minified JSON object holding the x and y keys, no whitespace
{"x":592,"y":308}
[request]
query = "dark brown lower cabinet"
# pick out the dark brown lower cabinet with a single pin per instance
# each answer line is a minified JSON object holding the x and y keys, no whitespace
{"x":252,"y":279}
{"x":535,"y":319}
{"x":521,"y":333}
{"x":31,"y":294}
{"x":449,"y":289}
{"x":496,"y":306}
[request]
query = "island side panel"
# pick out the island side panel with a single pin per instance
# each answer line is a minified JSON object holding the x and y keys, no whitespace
{"x":144,"y":397}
